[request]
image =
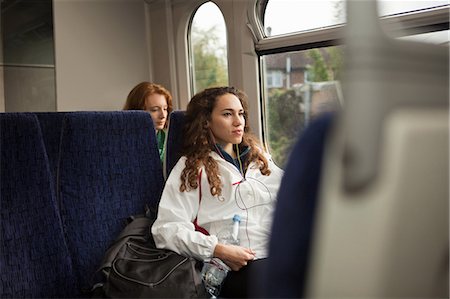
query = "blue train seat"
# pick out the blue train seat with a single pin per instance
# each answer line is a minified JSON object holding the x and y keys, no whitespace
{"x":293,"y":222}
{"x":34,"y":258}
{"x":51,"y":127}
{"x":174,"y":140}
{"x":109,"y":169}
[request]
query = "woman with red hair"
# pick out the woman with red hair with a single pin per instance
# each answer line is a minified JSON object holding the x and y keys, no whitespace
{"x":157,"y":100}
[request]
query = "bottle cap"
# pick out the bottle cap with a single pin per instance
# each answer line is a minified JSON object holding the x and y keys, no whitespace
{"x":237,"y":218}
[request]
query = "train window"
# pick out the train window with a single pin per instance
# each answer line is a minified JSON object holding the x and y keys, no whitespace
{"x":404,"y":17}
{"x":302,"y":15}
{"x":208,"y":48}
{"x":301,"y":60}
{"x":308,"y":86}
{"x":28,"y":64}
{"x":390,"y":7}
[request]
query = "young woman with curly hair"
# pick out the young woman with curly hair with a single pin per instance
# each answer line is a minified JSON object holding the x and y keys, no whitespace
{"x":224,"y":171}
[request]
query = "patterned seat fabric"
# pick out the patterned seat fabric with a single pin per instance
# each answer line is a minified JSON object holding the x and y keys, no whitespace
{"x":295,"y":212}
{"x":51,"y":126}
{"x":34,"y":258}
{"x":109,"y":169}
{"x":174,"y":141}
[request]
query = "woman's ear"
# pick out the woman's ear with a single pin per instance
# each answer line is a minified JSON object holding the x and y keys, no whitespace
{"x":206,"y":125}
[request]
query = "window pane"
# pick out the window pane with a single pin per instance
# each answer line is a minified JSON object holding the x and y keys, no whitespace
{"x":288,"y":16}
{"x":391,"y":7}
{"x":28,"y":59}
{"x":308,"y":86}
{"x":208,"y":48}
{"x":300,"y":85}
{"x":309,"y":14}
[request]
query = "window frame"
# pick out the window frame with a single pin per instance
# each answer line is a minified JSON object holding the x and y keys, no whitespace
{"x":427,"y":20}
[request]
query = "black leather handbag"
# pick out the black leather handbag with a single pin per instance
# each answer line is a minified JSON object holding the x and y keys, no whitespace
{"x":134,"y":268}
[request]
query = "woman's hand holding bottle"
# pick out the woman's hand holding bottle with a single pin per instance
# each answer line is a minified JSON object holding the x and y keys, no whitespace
{"x":233,"y":255}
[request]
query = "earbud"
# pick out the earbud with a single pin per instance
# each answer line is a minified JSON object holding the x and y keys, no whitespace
{"x":239,"y":159}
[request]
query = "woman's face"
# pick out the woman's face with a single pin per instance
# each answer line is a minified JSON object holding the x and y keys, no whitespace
{"x":227,"y":121}
{"x":156,"y":105}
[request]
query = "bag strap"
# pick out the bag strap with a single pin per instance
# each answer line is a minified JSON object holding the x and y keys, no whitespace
{"x":139,"y":228}
{"x":198,"y":227}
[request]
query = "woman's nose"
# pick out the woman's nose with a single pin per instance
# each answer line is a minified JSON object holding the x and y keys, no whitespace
{"x":237,"y":121}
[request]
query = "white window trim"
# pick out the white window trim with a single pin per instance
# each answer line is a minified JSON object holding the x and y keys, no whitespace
{"x":391,"y":24}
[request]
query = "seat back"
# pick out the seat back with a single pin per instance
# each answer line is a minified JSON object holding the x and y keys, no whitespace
{"x":51,"y":127}
{"x":109,"y":169}
{"x":297,"y":202}
{"x":34,"y":258}
{"x":174,"y":140}
{"x":382,"y":226}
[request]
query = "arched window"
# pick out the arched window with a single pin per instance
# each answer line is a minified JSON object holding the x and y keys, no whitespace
{"x":208,"y":48}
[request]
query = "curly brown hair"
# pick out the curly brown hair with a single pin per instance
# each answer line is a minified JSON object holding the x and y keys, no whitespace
{"x":136,"y":97}
{"x":198,"y":143}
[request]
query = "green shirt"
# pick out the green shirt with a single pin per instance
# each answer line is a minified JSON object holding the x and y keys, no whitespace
{"x":160,"y":138}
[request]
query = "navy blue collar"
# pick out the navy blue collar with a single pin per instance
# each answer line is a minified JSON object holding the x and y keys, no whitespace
{"x":242,"y":155}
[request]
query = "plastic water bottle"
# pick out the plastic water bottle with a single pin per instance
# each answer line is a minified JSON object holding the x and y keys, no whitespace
{"x":215,"y":271}
{"x":235,"y":230}
{"x":230,"y":234}
{"x":213,"y":275}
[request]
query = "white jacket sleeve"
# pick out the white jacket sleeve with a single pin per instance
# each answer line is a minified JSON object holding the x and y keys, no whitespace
{"x":174,"y":228}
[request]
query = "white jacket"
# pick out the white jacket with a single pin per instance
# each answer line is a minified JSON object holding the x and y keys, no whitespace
{"x":252,"y":198}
